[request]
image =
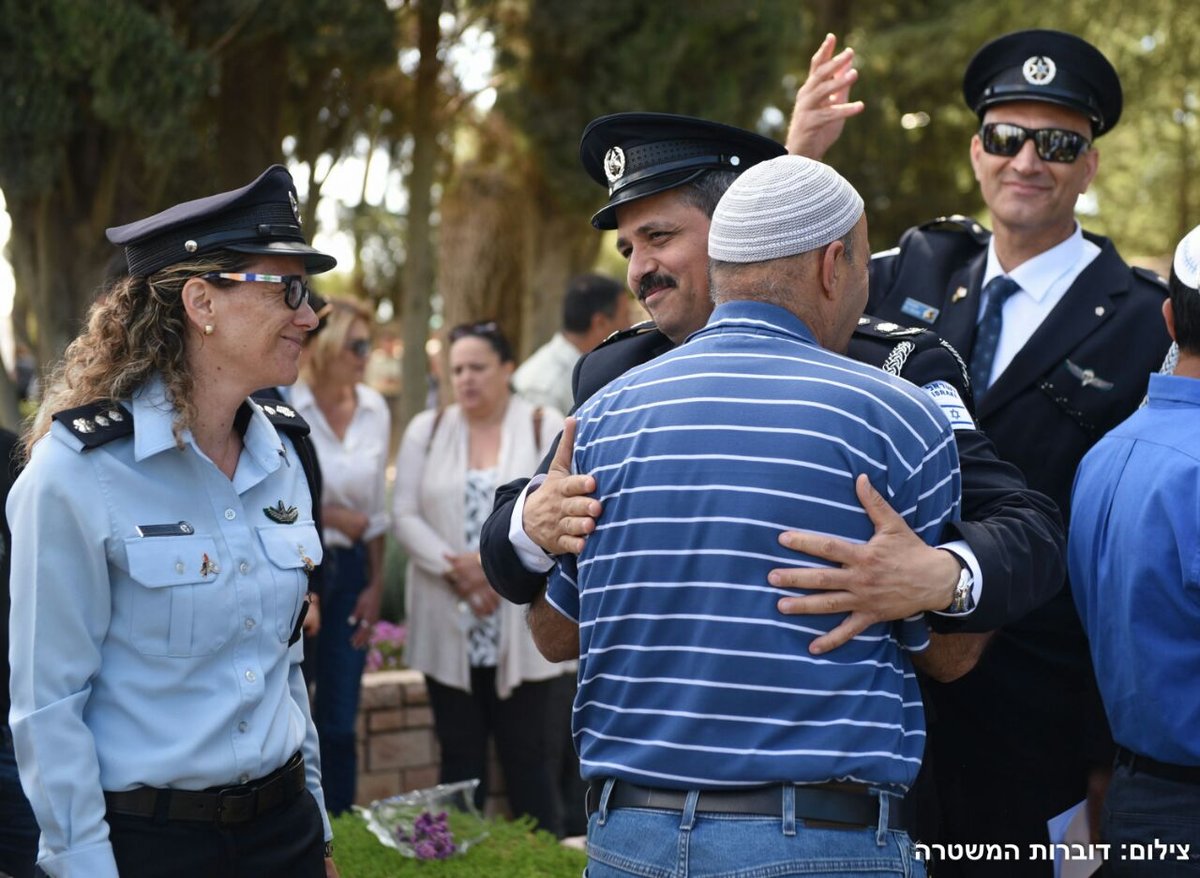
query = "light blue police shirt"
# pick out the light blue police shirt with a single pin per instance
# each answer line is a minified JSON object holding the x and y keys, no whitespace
{"x":152,"y":603}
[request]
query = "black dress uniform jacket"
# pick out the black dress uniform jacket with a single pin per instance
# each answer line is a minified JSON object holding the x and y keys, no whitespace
{"x":1016,"y":736}
{"x":1015,"y":533}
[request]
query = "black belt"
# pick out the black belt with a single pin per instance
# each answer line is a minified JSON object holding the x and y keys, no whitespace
{"x":828,"y":803}
{"x":227,"y":805}
{"x":1164,"y":770}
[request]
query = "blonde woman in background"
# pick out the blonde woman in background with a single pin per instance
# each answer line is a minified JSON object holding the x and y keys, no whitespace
{"x":485,"y":677}
{"x":350,"y":428}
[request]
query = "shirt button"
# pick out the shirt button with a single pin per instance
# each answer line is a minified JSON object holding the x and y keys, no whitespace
{"x":244,"y":567}
{"x":249,"y":624}
{"x":242,"y":726}
{"x":230,"y":515}
{"x":178,"y":566}
{"x":250,"y":678}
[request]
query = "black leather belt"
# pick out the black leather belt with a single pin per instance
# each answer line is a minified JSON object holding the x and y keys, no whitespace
{"x":846,"y":803}
{"x":1164,"y":770}
{"x":226,"y":805}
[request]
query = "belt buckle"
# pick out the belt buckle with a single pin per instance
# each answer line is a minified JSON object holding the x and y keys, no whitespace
{"x":226,"y":815}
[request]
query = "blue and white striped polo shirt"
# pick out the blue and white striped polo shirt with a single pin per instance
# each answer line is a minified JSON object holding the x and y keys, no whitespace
{"x":689,"y":675}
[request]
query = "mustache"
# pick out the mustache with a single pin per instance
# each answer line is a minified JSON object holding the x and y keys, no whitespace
{"x":652,"y":281}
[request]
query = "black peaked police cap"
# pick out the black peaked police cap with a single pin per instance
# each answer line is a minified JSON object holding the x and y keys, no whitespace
{"x":1045,"y":65}
{"x":261,"y":217}
{"x":640,"y":154}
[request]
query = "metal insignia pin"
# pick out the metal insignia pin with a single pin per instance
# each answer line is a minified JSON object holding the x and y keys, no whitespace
{"x":309,"y":566}
{"x":1099,"y":310}
{"x":191,"y":246}
{"x":83,"y":425}
{"x":208,"y":566}
{"x":115,"y":415}
{"x":281,"y":514}
{"x":270,"y":410}
{"x":285,"y":411}
{"x":1039,"y":70}
{"x":959,"y":294}
{"x":614,"y":164}
{"x":101,"y":421}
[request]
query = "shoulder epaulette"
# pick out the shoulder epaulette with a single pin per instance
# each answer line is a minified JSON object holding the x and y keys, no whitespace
{"x":957,"y":223}
{"x":1153,"y":276}
{"x":282,"y":415}
{"x":622,"y":334}
{"x":97,"y":422}
{"x":883,"y":329}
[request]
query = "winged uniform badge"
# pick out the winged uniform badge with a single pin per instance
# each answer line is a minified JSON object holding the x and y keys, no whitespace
{"x":1088,"y":378}
{"x":281,"y":514}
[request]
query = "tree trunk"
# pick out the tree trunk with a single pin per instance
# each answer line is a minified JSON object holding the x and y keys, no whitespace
{"x":418,"y":267}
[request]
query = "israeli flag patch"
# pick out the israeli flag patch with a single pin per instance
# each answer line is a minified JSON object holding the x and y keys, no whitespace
{"x":920,"y":310}
{"x":951,"y":404}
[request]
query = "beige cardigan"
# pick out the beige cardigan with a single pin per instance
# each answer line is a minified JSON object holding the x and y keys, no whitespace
{"x":427,"y":514}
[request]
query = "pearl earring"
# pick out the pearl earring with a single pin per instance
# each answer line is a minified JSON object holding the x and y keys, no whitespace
{"x":208,"y":329}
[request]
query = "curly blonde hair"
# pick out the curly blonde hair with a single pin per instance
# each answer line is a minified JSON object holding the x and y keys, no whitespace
{"x":136,"y":329}
{"x":326,"y":343}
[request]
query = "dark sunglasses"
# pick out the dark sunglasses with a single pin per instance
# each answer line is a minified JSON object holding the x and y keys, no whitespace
{"x":486,"y":329}
{"x":360,"y":347}
{"x":1052,"y":144}
{"x":295,"y":290}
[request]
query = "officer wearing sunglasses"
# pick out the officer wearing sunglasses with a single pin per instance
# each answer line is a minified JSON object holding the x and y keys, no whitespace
{"x":1060,"y":335}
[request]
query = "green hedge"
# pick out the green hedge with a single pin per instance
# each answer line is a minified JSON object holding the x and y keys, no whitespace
{"x":511,"y":850}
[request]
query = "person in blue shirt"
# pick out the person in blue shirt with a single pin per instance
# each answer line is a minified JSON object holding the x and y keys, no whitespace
{"x":713,"y":739}
{"x":163,"y":534}
{"x":1134,"y":556}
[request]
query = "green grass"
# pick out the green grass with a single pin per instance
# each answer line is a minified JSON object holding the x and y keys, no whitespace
{"x":511,"y":850}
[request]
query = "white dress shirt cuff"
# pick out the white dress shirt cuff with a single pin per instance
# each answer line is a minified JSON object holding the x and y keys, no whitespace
{"x":91,"y":861}
{"x":531,"y":555}
{"x":962,"y":551}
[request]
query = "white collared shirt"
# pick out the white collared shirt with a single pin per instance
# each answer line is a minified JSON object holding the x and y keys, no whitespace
{"x":1044,"y":280}
{"x":352,"y":468}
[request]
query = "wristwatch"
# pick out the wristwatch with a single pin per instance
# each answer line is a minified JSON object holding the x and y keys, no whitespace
{"x":329,"y":850}
{"x":964,"y":592}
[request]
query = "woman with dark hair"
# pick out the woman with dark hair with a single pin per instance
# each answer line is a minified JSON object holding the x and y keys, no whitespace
{"x":485,"y":677}
{"x":162,"y":538}
{"x":350,"y":429}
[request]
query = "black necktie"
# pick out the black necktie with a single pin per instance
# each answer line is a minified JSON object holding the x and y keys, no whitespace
{"x":983,"y":353}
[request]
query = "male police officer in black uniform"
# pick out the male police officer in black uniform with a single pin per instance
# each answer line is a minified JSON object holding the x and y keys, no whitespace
{"x":665,"y":175}
{"x":1061,"y":336}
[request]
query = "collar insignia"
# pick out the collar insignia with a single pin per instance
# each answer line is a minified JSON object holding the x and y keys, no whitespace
{"x":1039,"y":70}
{"x":281,"y":514}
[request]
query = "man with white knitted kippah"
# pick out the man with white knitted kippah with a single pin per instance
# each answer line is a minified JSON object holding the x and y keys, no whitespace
{"x":1135,"y":533}
{"x":711,"y":737}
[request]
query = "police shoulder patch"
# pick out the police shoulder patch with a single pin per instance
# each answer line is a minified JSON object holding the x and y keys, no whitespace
{"x":96,"y":423}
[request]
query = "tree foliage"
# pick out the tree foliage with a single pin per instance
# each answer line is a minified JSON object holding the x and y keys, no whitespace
{"x":117,"y":109}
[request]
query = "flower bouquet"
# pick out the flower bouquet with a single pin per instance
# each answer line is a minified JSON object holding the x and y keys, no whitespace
{"x":430,"y":824}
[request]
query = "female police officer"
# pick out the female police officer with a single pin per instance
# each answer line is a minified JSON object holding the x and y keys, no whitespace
{"x":162,"y":535}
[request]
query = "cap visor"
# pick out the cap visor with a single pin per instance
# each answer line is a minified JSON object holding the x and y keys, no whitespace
{"x":315,"y":262}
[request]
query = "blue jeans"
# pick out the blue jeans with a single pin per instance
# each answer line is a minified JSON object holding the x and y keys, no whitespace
{"x":339,"y":676}
{"x":652,"y":843}
{"x":1139,"y":810}
{"x":18,"y":829}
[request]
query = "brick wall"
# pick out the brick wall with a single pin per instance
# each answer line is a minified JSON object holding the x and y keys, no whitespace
{"x":397,"y":747}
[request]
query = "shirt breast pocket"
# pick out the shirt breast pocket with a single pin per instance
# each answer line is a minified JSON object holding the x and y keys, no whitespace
{"x":292,"y":550}
{"x":180,"y":606}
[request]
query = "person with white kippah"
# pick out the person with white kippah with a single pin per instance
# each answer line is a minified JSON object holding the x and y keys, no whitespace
{"x":711,"y":737}
{"x":1135,"y":573}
